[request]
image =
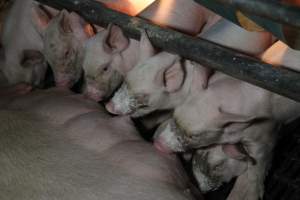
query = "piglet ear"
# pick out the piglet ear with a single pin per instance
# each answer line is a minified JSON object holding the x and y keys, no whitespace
{"x":80,"y":27}
{"x":89,"y":30}
{"x":146,"y":48}
{"x":233,"y":123}
{"x":174,"y":76}
{"x":97,"y":28}
{"x":116,"y":39}
{"x":235,"y":151}
{"x":40,"y":17}
{"x":203,"y":74}
{"x":65,"y":22}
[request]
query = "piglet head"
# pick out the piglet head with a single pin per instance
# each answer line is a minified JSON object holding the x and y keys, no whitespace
{"x":63,"y":38}
{"x":147,"y":85}
{"x":103,"y":62}
{"x":215,"y":165}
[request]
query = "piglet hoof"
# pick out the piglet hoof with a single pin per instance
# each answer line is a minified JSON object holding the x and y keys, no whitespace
{"x":16,"y":90}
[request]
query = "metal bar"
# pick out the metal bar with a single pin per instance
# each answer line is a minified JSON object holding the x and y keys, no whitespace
{"x":273,"y":10}
{"x":281,"y":81}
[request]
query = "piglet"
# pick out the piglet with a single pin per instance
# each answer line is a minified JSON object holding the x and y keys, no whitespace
{"x":213,"y":166}
{"x":64,"y":38}
{"x":23,"y":60}
{"x":108,"y":57}
{"x":162,"y":80}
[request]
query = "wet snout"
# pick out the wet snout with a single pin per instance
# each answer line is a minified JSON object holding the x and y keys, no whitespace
{"x":110,"y":107}
{"x":121,"y":103}
{"x":168,"y":138}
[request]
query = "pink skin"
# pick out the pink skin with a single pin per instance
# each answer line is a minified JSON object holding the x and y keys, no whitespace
{"x":118,"y":149}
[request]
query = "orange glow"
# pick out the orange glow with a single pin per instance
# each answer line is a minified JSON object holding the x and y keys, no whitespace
{"x":130,"y":7}
{"x":88,"y":29}
{"x":293,"y":2}
{"x":275,"y":54}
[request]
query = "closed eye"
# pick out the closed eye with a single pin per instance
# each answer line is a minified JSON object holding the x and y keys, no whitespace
{"x":193,"y":136}
{"x":67,"y":53}
{"x":105,"y":68}
{"x":143,"y":106}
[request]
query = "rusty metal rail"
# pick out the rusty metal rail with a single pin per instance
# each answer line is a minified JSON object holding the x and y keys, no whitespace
{"x":281,"y":81}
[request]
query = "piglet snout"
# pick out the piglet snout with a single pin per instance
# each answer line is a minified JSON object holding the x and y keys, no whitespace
{"x":166,"y":139}
{"x":110,"y":107}
{"x":161,"y":147}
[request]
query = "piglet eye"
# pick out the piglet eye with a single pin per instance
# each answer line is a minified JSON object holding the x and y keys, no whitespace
{"x":67,"y":53}
{"x":191,"y":136}
{"x":105,"y":68}
{"x":143,"y":106}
